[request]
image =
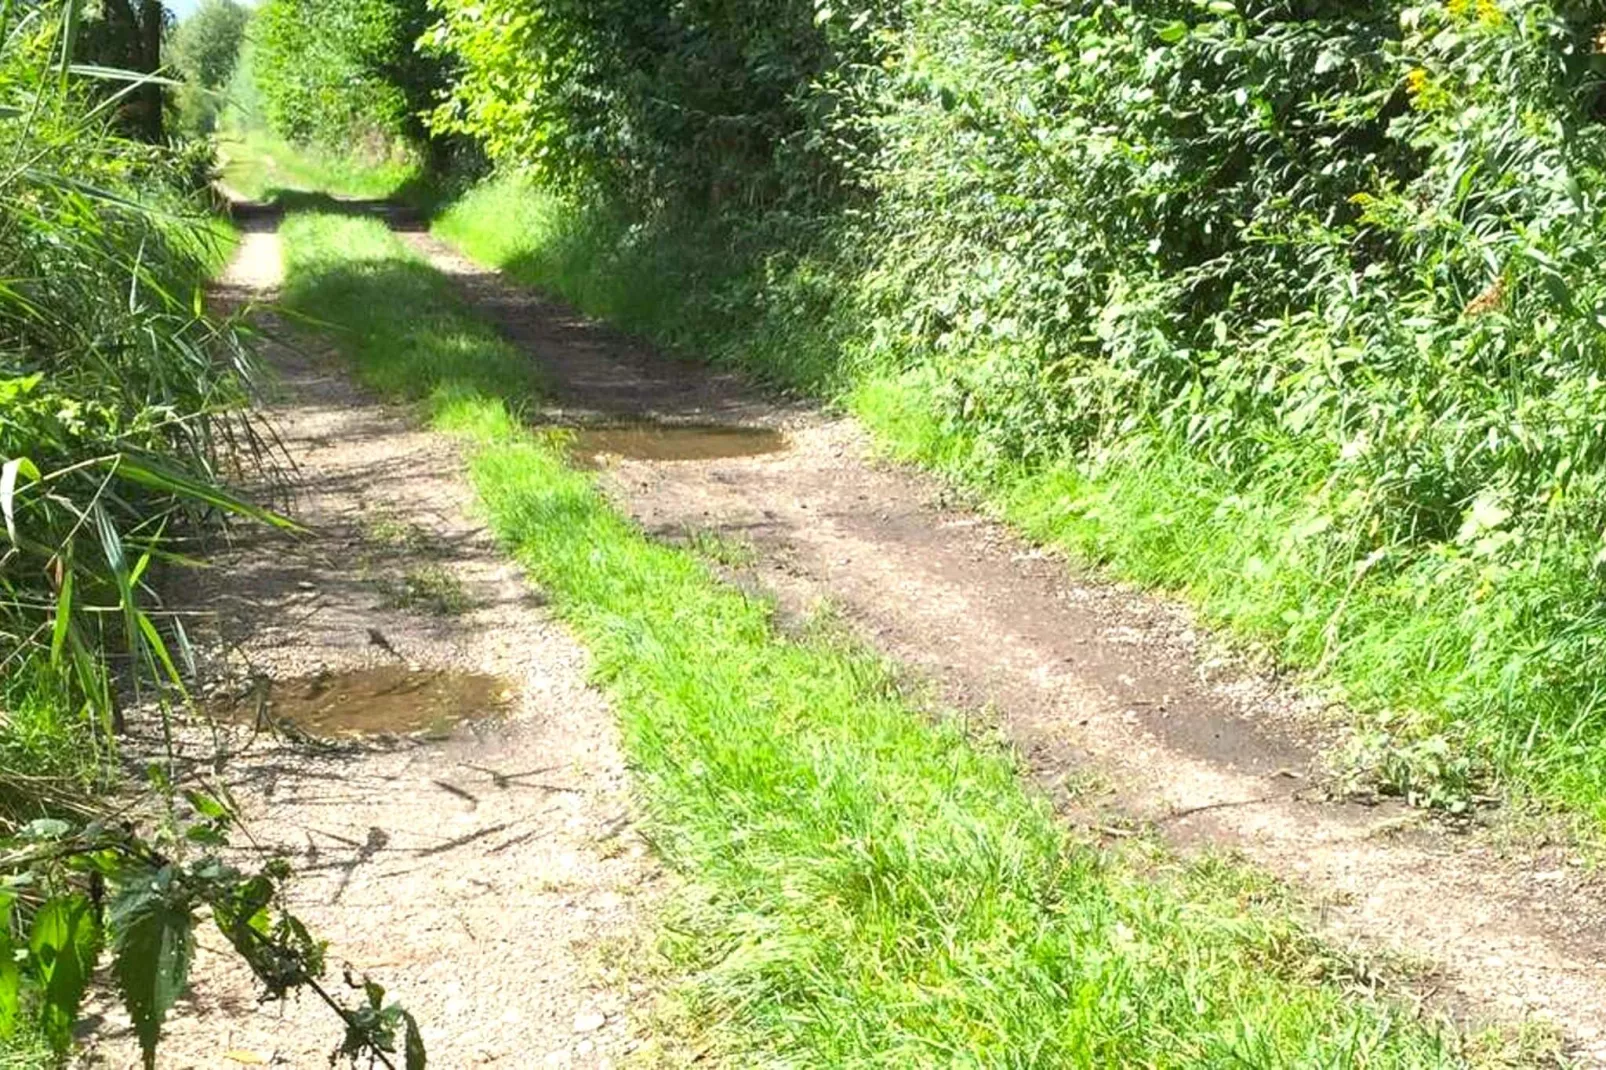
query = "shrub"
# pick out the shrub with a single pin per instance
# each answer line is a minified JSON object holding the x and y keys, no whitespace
{"x":343,"y":73}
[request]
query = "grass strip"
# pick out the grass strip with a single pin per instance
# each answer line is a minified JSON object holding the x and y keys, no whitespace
{"x":867,"y":887}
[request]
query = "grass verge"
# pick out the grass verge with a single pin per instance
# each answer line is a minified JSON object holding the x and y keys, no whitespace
{"x":867,"y":887}
{"x":1465,"y":671}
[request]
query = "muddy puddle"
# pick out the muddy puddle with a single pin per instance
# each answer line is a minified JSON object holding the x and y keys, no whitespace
{"x":388,"y":701}
{"x":593,"y":446}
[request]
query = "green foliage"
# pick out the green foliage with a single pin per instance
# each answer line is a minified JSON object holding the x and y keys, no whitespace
{"x":156,"y":889}
{"x":204,"y":50}
{"x":63,"y":943}
{"x":152,"y":922}
{"x":120,"y":396}
{"x":867,"y":887}
{"x":344,"y":74}
{"x":1291,"y":304}
{"x":715,"y":104}
{"x":261,"y":166}
{"x":206,"y":45}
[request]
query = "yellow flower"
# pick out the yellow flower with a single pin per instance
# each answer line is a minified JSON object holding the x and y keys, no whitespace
{"x":1459,"y":8}
{"x":1489,"y":13}
{"x":1416,"y":80}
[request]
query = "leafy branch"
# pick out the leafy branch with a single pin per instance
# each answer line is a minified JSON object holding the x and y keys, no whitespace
{"x":73,"y":893}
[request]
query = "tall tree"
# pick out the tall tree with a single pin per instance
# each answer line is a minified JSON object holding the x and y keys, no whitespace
{"x":206,"y":45}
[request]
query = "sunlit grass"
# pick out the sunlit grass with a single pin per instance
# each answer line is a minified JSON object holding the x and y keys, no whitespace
{"x":866,"y":886}
{"x":255,"y":163}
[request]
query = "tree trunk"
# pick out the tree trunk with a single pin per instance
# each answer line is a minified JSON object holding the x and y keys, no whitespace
{"x":151,"y":19}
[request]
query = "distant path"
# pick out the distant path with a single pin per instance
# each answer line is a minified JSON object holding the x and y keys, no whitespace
{"x":499,"y":911}
{"x":1093,"y":682}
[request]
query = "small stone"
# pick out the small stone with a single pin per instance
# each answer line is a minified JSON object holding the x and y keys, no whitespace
{"x":585,"y":1047}
{"x":589,"y":1022}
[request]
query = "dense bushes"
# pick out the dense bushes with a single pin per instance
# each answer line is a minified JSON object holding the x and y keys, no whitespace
{"x":344,"y":74}
{"x":708,"y":104}
{"x":1292,"y":303}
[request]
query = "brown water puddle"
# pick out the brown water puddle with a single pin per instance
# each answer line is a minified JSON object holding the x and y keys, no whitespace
{"x":391,"y":701}
{"x":591,"y":446}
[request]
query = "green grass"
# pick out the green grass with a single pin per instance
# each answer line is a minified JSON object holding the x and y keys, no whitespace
{"x":1464,"y":671}
{"x":866,"y":886}
{"x":26,"y":1050}
{"x":256,"y":163}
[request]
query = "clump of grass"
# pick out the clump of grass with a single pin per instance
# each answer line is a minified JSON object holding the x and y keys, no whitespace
{"x":868,"y":887}
{"x":383,"y":528}
{"x":432,"y":589}
{"x":720,"y":548}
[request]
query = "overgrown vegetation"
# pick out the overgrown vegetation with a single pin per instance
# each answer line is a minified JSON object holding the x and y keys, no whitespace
{"x":869,"y":888}
{"x":121,"y":427}
{"x":1290,"y":306}
{"x":344,"y":76}
{"x":204,"y":50}
{"x":261,"y":166}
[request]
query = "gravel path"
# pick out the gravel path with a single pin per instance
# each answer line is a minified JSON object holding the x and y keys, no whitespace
{"x":490,"y":878}
{"x":1095,"y":683}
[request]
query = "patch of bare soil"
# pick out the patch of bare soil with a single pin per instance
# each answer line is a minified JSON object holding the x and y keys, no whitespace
{"x":1093,"y":682}
{"x":487,"y":873}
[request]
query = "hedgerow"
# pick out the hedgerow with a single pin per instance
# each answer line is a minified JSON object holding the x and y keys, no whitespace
{"x":1293,"y":304}
{"x":344,"y":74}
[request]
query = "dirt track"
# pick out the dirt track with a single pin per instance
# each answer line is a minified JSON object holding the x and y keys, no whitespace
{"x":1094,"y":682}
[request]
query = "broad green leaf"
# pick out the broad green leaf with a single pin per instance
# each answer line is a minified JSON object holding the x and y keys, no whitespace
{"x":121,"y":74}
{"x":154,"y":473}
{"x":10,"y":971}
{"x":157,"y":648}
{"x":153,"y":931}
{"x":205,"y":805}
{"x":416,"y":1059}
{"x":58,"y":631}
{"x":70,"y":12}
{"x":64,"y":943}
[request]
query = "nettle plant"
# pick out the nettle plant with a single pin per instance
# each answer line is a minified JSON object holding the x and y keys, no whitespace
{"x":78,"y":893}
